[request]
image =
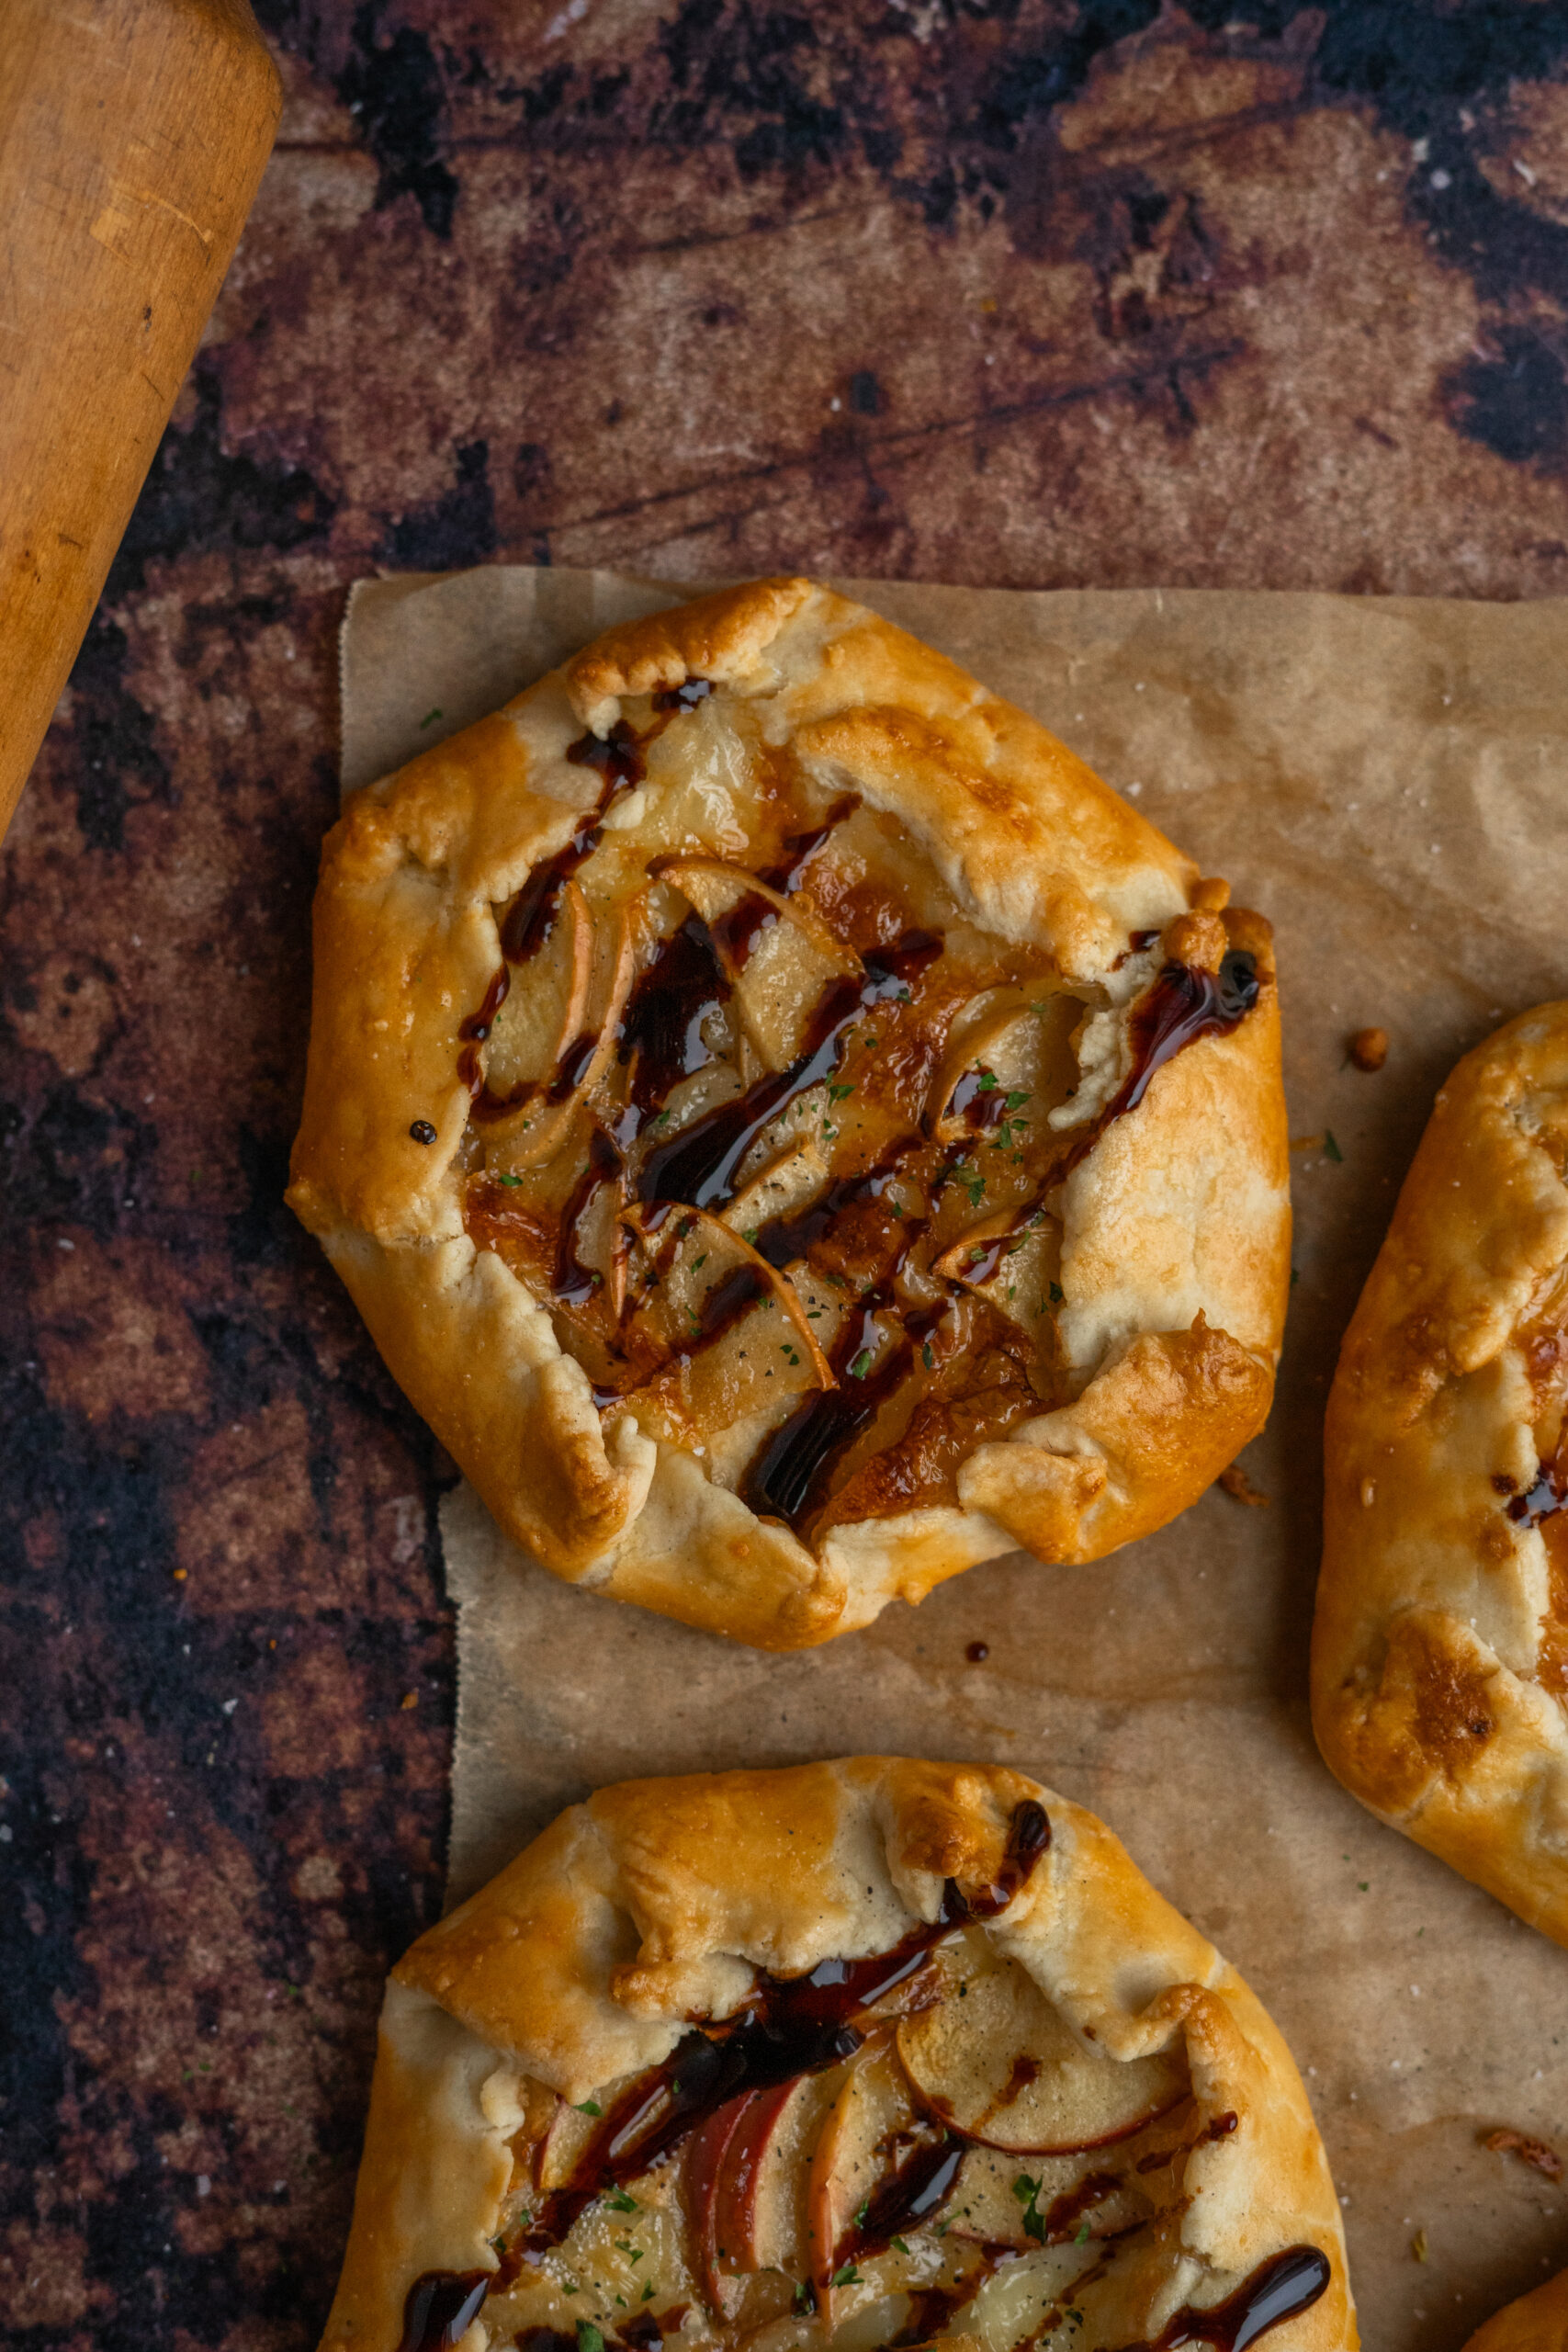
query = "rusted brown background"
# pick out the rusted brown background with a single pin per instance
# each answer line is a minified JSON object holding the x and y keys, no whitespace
{"x":986,"y":290}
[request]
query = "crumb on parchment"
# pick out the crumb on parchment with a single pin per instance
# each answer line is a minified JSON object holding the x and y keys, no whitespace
{"x":1540,"y":2154}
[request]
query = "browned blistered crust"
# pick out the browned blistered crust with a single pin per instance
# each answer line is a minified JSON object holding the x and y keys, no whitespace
{"x":1175,"y":1245}
{"x":653,"y":1904}
{"x":1437,"y":1652}
{"x":1536,"y":2323}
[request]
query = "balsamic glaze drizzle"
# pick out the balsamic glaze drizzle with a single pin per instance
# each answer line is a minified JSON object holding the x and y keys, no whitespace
{"x":697,"y":1168}
{"x":905,"y":2200}
{"x":789,"y":1478}
{"x":441,"y":2307}
{"x":1180,"y":1006}
{"x":1278,"y":2290}
{"x":662,"y":1024}
{"x":1549,"y":1494}
{"x":618,"y":758}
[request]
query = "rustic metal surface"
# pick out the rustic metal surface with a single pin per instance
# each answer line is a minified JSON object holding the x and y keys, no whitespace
{"x":991,"y":290}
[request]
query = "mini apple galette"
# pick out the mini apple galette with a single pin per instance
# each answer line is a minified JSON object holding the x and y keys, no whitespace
{"x":824,"y":2060}
{"x":1536,"y":2322}
{"x":1440,"y":1661}
{"x":791,"y":1129}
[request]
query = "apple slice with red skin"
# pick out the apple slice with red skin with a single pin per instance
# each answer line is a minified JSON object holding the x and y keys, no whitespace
{"x":703,"y":2171}
{"x":763,"y":2209}
{"x":736,"y":2206}
{"x":1002,"y":2066}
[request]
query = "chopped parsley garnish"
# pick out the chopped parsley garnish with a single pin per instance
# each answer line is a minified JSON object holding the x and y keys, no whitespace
{"x":1082,"y":2237}
{"x":1331,"y":1147}
{"x":431,"y":717}
{"x":699,"y":1262}
{"x":619,"y":2202}
{"x":588,"y":2337}
{"x":987,"y":1082}
{"x":898,"y":2246}
{"x":927,"y":1356}
{"x":848,"y":2276}
{"x":588,"y":2107}
{"x":504,"y":1176}
{"x":861,"y":1365}
{"x":840,"y":1094}
{"x":1016,"y":1099}
{"x":1057,"y":1293}
{"x":1026,"y":2190}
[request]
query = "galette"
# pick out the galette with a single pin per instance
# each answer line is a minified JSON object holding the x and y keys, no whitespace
{"x":829,"y":2058}
{"x":1439,"y":1658}
{"x":791,"y":1129}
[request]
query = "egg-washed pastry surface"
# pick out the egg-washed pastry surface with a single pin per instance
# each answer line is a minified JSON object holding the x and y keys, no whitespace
{"x":848,"y":2055}
{"x":1536,"y":2323}
{"x":1439,"y":1665}
{"x":791,"y":1128}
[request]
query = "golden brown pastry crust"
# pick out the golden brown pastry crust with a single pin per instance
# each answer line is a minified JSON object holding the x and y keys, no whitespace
{"x":1440,"y":1643}
{"x":1536,"y":2323}
{"x":1174,"y":1226}
{"x":654,"y":1904}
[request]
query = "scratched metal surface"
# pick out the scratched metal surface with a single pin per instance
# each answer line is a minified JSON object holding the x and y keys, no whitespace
{"x":989,"y":291}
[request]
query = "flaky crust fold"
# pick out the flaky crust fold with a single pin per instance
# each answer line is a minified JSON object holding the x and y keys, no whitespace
{"x":1175,"y":1257}
{"x":653,"y":1904}
{"x":1436,"y":1681}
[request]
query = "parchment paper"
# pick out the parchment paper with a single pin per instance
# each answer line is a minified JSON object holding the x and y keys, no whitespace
{"x":1387,"y":780}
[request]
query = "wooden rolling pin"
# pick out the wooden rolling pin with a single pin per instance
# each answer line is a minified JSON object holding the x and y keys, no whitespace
{"x":132,"y":137}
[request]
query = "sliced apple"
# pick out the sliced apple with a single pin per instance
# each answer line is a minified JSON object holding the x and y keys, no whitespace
{"x":1003,"y":2066}
{"x":1016,"y":1268}
{"x":1013,"y":2304}
{"x":763,"y":2212}
{"x":776,"y":952}
{"x":786,"y":1186}
{"x":798,"y":2333}
{"x":599,"y":1243}
{"x":567,"y":2140}
{"x":1006,"y":1042}
{"x":703,"y":2175}
{"x":1052,"y":2200}
{"x":852,"y":2155}
{"x":730,"y":1334}
{"x":541,"y":1105}
{"x":545,"y":1002}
